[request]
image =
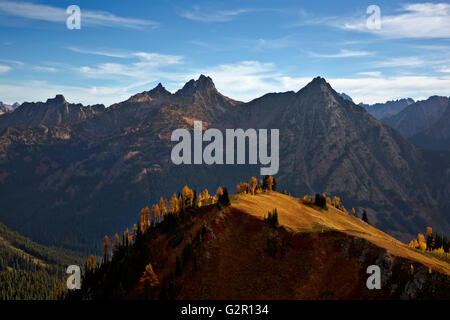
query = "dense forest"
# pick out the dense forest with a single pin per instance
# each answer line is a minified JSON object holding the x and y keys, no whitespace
{"x":29,"y":270}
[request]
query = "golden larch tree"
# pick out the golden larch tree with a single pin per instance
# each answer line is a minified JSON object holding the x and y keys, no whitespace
{"x":219,"y":191}
{"x":200,"y":200}
{"x":206,"y":197}
{"x":91,"y":263}
{"x":134,"y":232}
{"x":188,"y":195}
{"x":156,"y":213}
{"x":173,"y":207}
{"x":145,"y":218}
{"x":163,"y":206}
{"x":106,"y":249}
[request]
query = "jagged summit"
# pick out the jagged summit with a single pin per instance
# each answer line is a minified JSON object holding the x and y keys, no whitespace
{"x":195,"y":92}
{"x":202,"y":84}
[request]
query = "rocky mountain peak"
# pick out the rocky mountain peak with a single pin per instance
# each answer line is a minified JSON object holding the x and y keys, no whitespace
{"x":203,"y":84}
{"x":317,"y":84}
{"x":58,"y":99}
{"x":318,"y":81}
{"x":159,"y":90}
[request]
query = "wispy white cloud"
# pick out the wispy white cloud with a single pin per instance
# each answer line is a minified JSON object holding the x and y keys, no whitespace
{"x":44,"y":69}
{"x":141,"y":64}
{"x":343,"y":53}
{"x":243,"y":81}
{"x":445,"y":69}
{"x":210,"y":15}
{"x":250,"y":79}
{"x":48,"y":13}
{"x":264,"y":44}
{"x":42,"y":90}
{"x":106,"y":53}
{"x":15,"y":63}
{"x":156,"y":59}
{"x":401,"y":62}
{"x":370,"y":73}
{"x":198,"y":43}
{"x":373,"y":90}
{"x":137,"y":70}
{"x":418,"y":20}
{"x":4,"y":68}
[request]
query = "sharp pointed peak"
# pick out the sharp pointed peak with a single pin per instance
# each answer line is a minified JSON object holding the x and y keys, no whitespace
{"x":159,"y":89}
{"x":157,"y":92}
{"x":319,"y":81}
{"x":315,"y":84}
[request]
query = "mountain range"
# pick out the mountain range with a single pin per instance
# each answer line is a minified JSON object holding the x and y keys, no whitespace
{"x":70,"y":174}
{"x":387,"y":109}
{"x":418,"y":116}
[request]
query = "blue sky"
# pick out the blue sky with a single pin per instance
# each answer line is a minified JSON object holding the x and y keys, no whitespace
{"x":248,"y":47}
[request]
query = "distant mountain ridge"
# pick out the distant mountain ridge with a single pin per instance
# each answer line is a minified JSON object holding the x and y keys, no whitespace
{"x":418,"y":116}
{"x":56,"y":111}
{"x":387,"y":109}
{"x":72,"y":173}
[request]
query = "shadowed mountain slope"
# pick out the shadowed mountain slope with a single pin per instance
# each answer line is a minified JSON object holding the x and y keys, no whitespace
{"x":418,"y":116}
{"x":437,"y":136}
